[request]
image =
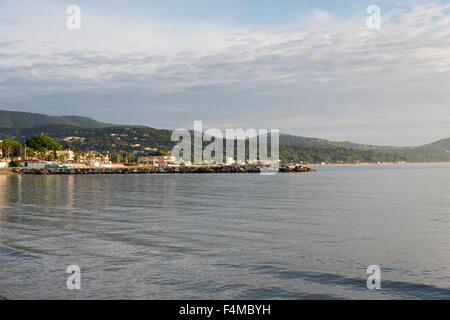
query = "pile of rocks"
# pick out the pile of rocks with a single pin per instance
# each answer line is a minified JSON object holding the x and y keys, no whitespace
{"x":294,"y":167}
{"x":175,"y":169}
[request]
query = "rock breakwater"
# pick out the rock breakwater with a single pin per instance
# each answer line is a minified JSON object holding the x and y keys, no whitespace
{"x":154,"y":170}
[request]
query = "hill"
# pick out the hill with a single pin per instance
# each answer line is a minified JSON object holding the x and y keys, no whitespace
{"x":15,"y":119}
{"x":118,"y":138}
{"x":441,"y":145}
{"x":304,"y":141}
{"x":87,"y":134}
{"x":436,"y":151}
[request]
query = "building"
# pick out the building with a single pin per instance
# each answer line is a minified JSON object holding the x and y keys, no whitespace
{"x":68,"y":155}
{"x":156,"y":160}
{"x":70,"y":139}
{"x":32,"y":164}
{"x":94,"y":163}
{"x":95,"y":156}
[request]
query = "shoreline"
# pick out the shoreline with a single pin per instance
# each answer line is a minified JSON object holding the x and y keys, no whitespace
{"x":6,"y":171}
{"x":310,"y":167}
{"x":371,"y":164}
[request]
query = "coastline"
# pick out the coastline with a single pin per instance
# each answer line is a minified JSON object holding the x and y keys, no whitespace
{"x":371,"y":164}
{"x":6,"y":171}
{"x":310,"y":167}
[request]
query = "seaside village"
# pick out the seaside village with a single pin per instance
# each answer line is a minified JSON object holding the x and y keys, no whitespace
{"x":43,"y":152}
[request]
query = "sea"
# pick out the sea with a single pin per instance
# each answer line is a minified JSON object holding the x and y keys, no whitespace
{"x":316,"y":235}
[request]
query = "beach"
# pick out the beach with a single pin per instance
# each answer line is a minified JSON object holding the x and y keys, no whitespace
{"x":6,"y":171}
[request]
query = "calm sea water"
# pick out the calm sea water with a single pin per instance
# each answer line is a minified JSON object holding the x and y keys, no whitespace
{"x":228,"y":236}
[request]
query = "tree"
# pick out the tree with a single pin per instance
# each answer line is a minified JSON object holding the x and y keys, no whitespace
{"x":9,"y":146}
{"x":43,"y":144}
{"x":129,"y":157}
{"x":115,"y":157}
{"x":31,"y":153}
{"x":68,"y":145}
{"x":14,"y":164}
{"x":77,"y":156}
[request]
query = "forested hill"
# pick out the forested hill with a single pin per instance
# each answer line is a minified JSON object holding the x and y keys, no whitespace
{"x":87,"y":134}
{"x":436,"y":151}
{"x":14,"y":119}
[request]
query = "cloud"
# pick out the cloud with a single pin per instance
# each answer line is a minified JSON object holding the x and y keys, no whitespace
{"x":321,"y":17}
{"x":333,"y":79}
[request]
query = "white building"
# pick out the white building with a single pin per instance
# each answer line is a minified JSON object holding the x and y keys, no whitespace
{"x":94,"y":163}
{"x":35,"y":165}
{"x":68,"y":154}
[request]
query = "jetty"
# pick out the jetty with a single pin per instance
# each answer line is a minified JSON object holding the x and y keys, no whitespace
{"x":168,"y":169}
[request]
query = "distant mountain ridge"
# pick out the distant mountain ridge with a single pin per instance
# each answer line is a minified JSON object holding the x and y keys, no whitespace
{"x":26,"y":120}
{"x":441,"y":145}
{"x":132,"y":138}
{"x":305,"y":141}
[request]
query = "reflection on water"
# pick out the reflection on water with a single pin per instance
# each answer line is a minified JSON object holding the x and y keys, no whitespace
{"x":221,"y":236}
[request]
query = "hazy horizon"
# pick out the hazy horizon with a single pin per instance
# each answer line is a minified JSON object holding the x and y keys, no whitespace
{"x":310,"y":69}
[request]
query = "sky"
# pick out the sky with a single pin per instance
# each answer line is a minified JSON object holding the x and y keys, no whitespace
{"x":309,"y":68}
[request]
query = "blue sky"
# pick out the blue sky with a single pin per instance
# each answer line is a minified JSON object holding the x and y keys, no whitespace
{"x":310,"y":68}
{"x":242,"y":12}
